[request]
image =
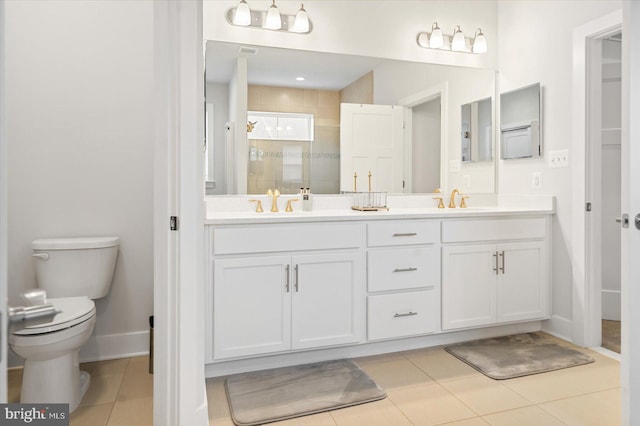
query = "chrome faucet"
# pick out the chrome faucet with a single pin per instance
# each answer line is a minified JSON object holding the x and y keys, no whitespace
{"x":452,"y":199}
{"x":274,"y":203}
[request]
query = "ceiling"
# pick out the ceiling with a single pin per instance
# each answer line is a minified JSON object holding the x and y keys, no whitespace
{"x":279,"y":67}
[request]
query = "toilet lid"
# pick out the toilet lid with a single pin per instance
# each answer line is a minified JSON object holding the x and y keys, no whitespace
{"x":72,"y":311}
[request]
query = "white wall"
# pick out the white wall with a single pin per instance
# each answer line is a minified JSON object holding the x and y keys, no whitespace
{"x":381,"y":28}
{"x":546,"y":58}
{"x":79,"y":79}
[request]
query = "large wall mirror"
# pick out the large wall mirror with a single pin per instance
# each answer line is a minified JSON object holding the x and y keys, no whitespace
{"x":521,"y":123}
{"x":286,"y":81}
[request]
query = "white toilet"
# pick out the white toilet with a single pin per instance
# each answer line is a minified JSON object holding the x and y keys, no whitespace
{"x":72,"y":271}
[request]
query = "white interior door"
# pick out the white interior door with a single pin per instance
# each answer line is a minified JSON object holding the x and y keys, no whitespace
{"x":371,"y":140}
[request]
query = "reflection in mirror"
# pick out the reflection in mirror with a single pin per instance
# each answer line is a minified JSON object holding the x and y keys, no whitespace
{"x":476,"y":131}
{"x":521,"y":122}
{"x":430,"y":94}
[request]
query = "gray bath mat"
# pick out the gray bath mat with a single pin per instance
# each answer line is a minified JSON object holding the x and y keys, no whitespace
{"x":518,"y":355}
{"x":283,"y":393}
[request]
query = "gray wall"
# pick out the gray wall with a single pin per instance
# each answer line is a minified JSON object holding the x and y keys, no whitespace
{"x":79,"y":86}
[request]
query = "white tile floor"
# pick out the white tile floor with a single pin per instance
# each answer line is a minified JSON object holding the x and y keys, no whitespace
{"x":121,"y":393}
{"x":431,"y":387}
{"x":424,"y":387}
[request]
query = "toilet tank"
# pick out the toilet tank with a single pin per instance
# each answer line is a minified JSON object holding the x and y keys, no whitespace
{"x":67,"y":267}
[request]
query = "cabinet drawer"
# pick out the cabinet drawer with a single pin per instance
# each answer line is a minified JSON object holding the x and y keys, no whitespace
{"x":403,"y":268}
{"x":403,"y":314}
{"x":402,"y":232}
{"x":277,"y":238}
{"x":455,"y":231}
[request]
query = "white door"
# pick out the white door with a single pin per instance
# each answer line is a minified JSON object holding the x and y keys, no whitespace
{"x":521,"y":285}
{"x":251,"y":306}
{"x":469,"y":285}
{"x":327,"y":300}
{"x":371,"y":140}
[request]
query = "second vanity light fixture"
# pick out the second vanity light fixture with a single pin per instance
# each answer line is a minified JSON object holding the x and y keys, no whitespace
{"x":271,"y":19}
{"x":456,"y":42}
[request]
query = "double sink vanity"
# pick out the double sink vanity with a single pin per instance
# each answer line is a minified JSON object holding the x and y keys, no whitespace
{"x":292,"y":287}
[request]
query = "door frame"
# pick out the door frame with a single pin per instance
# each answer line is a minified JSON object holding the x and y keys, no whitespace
{"x":179,"y":395}
{"x":3,"y":224}
{"x":427,"y":95}
{"x":586,"y":321}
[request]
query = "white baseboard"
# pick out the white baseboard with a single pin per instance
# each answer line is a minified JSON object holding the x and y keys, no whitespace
{"x":113,"y":346}
{"x":560,"y":327}
{"x":102,"y":348}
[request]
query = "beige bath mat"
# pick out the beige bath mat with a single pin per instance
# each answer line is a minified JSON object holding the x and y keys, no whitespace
{"x":518,"y":355}
{"x":283,"y":393}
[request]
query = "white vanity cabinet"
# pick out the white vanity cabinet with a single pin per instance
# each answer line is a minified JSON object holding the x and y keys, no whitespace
{"x":403,"y":278}
{"x":307,"y":291}
{"x":494,"y":271}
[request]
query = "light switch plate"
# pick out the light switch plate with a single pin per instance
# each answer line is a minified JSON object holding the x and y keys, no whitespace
{"x":558,"y":158}
{"x":454,"y":166}
{"x":536,"y":180}
{"x":466,"y":181}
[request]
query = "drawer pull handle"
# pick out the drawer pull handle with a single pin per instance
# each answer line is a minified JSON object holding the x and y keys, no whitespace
{"x":408,"y":314}
{"x":405,"y":270}
{"x":408,"y":234}
{"x":495,"y":255}
{"x":502,"y":256}
{"x":296,"y":282}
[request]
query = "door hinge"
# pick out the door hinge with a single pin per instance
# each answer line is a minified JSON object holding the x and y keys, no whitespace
{"x":587,"y":207}
{"x":173,"y":223}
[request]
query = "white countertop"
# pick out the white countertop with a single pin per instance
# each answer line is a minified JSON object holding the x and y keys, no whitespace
{"x":238,"y":210}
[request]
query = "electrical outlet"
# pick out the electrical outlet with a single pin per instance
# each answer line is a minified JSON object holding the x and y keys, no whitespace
{"x":454,"y":166}
{"x":466,"y":181}
{"x":559,"y":158}
{"x":536,"y":180}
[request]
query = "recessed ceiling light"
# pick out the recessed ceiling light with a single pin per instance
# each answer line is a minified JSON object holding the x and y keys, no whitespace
{"x":300,"y":78}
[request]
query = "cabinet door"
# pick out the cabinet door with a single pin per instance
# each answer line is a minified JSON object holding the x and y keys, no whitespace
{"x":327,"y":300}
{"x":522,"y":284}
{"x":468,"y":286}
{"x":251,"y":306}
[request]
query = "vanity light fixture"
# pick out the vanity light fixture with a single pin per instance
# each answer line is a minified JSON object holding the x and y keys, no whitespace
{"x":301,"y":21}
{"x":437,"y":39}
{"x":456,"y":42}
{"x":242,"y":15}
{"x":479,"y":42}
{"x":271,"y":19}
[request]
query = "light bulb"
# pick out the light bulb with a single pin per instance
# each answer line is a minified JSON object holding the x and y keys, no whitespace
{"x":273,"y":21}
{"x":242,"y":15}
{"x":479,"y":42}
{"x":458,"y":43}
{"x":437,"y":40}
{"x":301,"y":22}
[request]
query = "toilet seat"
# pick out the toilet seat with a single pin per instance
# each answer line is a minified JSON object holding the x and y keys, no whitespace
{"x":72,"y":311}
